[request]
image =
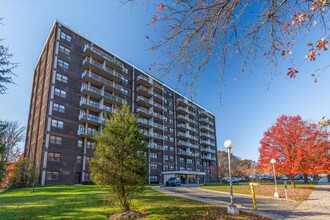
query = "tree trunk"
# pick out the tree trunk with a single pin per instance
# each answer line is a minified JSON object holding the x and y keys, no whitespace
{"x":305,"y":178}
{"x":292,"y":181}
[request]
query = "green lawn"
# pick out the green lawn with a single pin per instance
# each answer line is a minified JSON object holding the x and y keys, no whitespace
{"x":300,"y":193}
{"x":88,"y":202}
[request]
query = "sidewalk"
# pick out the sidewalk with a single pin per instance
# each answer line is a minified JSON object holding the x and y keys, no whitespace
{"x":317,"y":206}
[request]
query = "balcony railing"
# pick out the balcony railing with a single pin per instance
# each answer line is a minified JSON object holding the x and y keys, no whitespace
{"x":204,"y":157}
{"x":91,"y":118}
{"x":155,"y":146}
{"x":86,"y":132}
{"x":209,"y":150}
{"x":187,"y":127}
{"x":187,"y":153}
{"x":102,"y":80}
{"x":97,"y":105}
{"x":112,"y":97}
{"x":159,"y":126}
{"x":104,"y":55}
{"x":144,"y":121}
{"x":158,"y":136}
{"x":101,"y":93}
{"x":203,"y":134}
{"x":206,"y":128}
{"x":140,"y":98}
{"x":181,"y":134}
{"x":144,"y":110}
{"x":103,"y":67}
{"x":141,"y":77}
{"x":187,"y":144}
{"x":155,"y":114}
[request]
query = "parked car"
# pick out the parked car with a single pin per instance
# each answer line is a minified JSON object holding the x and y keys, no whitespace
{"x":296,"y":178}
{"x":233,"y":179}
{"x":173,"y":181}
{"x":286,"y":178}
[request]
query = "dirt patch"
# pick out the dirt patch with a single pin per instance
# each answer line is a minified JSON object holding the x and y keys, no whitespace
{"x":127,"y":215}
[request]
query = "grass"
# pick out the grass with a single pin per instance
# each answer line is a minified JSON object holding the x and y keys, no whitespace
{"x":300,"y":193}
{"x":88,"y":202}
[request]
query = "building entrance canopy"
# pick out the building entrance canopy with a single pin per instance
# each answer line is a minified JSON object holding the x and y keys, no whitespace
{"x":185,"y":176}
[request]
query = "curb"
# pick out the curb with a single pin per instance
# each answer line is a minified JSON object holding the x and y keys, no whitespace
{"x":247,"y":195}
{"x":256,"y":212}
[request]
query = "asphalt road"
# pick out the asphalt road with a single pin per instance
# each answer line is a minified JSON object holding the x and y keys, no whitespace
{"x":278,"y":209}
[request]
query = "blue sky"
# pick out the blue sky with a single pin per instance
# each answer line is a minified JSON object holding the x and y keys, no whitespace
{"x":249,"y":106}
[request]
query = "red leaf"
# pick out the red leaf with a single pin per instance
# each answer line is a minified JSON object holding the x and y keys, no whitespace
{"x":153,"y":22}
{"x":169,"y":53}
{"x":161,"y":7}
{"x":154,"y":64}
{"x":286,"y":27}
{"x":317,"y":70}
{"x":313,"y":75}
{"x":147,"y":37}
{"x":153,"y":48}
{"x":264,"y":55}
{"x":315,"y":80}
{"x":149,"y":68}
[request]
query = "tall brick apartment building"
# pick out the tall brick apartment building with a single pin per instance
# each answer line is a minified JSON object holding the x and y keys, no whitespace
{"x":76,"y":82}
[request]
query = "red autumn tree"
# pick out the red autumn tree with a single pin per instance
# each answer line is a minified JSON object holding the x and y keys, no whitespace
{"x":297,"y":147}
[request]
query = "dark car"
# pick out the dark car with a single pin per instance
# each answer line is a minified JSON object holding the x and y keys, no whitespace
{"x":173,"y":181}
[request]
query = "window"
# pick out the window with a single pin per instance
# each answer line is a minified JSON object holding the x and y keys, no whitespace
{"x":189,"y":169}
{"x":153,"y":155}
{"x":182,"y":168}
{"x":125,"y":92}
{"x":198,"y":162}
{"x":63,"y":64}
{"x":87,"y":177}
{"x":171,"y":158}
{"x":189,"y":160}
{"x":66,"y":37}
{"x":57,"y":123}
{"x":171,"y":121}
{"x":54,"y":156}
{"x":165,"y":119}
{"x":165,"y":167}
{"x":58,"y":107}
{"x":166,"y":157}
{"x":55,"y":139}
{"x":172,"y":149}
{"x":154,"y":166}
{"x":165,"y":93}
{"x":182,"y":160}
{"x":60,"y":93}
{"x":171,"y":139}
{"x":165,"y":147}
{"x":165,"y":128}
{"x":170,"y":95}
{"x":64,"y":50}
{"x":171,"y":130}
{"x":165,"y":102}
{"x":125,"y":81}
{"x":89,"y":159}
{"x":78,"y":159}
{"x":153,"y":178}
{"x":165,"y":138}
{"x":90,"y":145}
{"x":61,"y":78}
{"x":50,"y":175}
{"x":80,"y":143}
{"x":170,"y":103}
{"x":171,"y":113}
{"x":165,"y":110}
{"x":172,"y":167}
{"x":125,"y":70}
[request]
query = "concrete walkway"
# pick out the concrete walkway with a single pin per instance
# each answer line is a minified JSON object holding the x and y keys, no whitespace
{"x":275,"y":209}
{"x":317,"y":206}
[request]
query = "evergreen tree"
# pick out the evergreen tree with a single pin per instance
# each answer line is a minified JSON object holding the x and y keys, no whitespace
{"x":3,"y":160}
{"x":120,"y":162}
{"x":23,"y":174}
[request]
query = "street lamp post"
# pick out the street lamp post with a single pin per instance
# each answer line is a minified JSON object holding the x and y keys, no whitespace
{"x":232,"y":209}
{"x":273,"y":161}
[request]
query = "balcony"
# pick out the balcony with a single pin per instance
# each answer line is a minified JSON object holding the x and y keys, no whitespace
{"x":204,"y":134}
{"x":158,"y":88}
{"x":187,"y":144}
{"x":158,"y":116}
{"x":182,"y":110}
{"x":186,"y":127}
{"x":182,"y":101}
{"x":187,"y":153}
{"x":157,"y":97}
{"x":158,"y":126}
{"x":144,"y":112}
{"x":91,"y":91}
{"x":204,"y":157}
{"x":144,"y":101}
{"x":96,"y":107}
{"x":206,"y":128}
{"x":86,"y":133}
{"x":112,"y":99}
{"x":186,"y":136}
{"x":185,"y":119}
{"x":144,"y":91}
{"x":158,"y":106}
{"x":158,"y":136}
{"x":91,"y":119}
{"x":146,"y":133}
{"x":144,"y":122}
{"x":155,"y":146}
{"x":102,"y":70}
{"x":208,"y":150}
{"x":205,"y":113}
{"x":101,"y":56}
{"x":144,"y":80}
{"x":208,"y":143}
{"x":100,"y":81}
